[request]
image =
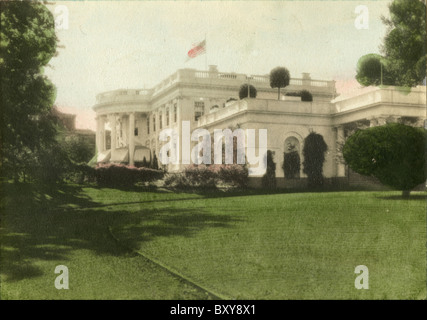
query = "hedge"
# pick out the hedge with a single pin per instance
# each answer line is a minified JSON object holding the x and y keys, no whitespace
{"x":113,"y":175}
{"x":212,"y":176}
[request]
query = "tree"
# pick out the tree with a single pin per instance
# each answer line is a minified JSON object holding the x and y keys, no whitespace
{"x":403,"y":49}
{"x":154,"y":162}
{"x":269,"y":179}
{"x":27,"y":127}
{"x":243,"y":91}
{"x":404,"y":43}
{"x":393,"y":153}
{"x":79,"y":151}
{"x":279,"y":78}
{"x":306,"y":95}
{"x":314,"y":157}
{"x":371,"y":70}
{"x":145,"y":163}
{"x":291,"y":164}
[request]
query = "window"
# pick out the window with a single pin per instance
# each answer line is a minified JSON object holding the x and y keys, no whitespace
{"x":175,"y":112}
{"x":160,"y":121}
{"x":167,"y":117}
{"x":199,"y":109}
{"x":154,"y":123}
{"x":136,"y":132}
{"x":148,"y":125}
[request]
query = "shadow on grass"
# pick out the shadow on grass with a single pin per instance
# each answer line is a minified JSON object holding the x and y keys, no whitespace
{"x":412,"y":197}
{"x":51,"y":223}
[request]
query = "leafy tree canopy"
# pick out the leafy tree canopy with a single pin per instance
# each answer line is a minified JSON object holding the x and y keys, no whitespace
{"x":243,"y":91}
{"x":393,"y":153}
{"x":28,"y":42}
{"x":314,"y":157}
{"x":403,"y":49}
{"x":279,"y":78}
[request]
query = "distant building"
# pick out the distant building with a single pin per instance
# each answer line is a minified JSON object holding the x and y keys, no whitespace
{"x":136,"y":117}
{"x":69,"y":131}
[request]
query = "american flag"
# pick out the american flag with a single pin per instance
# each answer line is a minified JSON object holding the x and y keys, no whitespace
{"x":197,"y":50}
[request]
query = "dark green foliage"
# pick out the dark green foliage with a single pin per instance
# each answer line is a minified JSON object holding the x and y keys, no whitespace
{"x":117,"y":175}
{"x":269,"y":179}
{"x":154,"y":162}
{"x":394,"y":154}
{"x":202,"y":177}
{"x":293,"y":94}
{"x":279,"y":78}
{"x":145,"y":163}
{"x":306,"y":95}
{"x":370,"y":69}
{"x":79,"y":151}
{"x":404,"y":43}
{"x":291,"y":165}
{"x":49,"y":165}
{"x":81,"y":173}
{"x":28,"y":42}
{"x":404,"y":51}
{"x":243,"y":91}
{"x":314,"y":157}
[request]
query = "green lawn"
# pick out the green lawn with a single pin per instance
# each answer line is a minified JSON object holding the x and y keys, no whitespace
{"x":279,"y":246}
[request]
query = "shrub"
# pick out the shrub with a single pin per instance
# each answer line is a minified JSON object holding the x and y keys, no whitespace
{"x":207,"y":177}
{"x":269,"y":178}
{"x":81,"y":173}
{"x":306,"y":95}
{"x":154,"y":162}
{"x":234,"y":175}
{"x":314,"y":157}
{"x":395,"y":154}
{"x":117,"y":175}
{"x":291,"y":165}
{"x":200,"y":176}
{"x":293,"y":94}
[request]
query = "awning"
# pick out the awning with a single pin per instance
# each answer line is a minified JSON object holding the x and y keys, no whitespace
{"x":103,"y":156}
{"x":141,"y":153}
{"x":120,"y":155}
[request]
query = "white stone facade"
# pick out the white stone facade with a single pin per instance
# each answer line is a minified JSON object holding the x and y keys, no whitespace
{"x":135,"y":118}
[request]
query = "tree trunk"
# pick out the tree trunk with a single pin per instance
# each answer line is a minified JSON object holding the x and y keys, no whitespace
{"x":405,"y":193}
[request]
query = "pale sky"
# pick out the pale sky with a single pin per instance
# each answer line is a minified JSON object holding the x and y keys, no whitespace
{"x":135,"y":44}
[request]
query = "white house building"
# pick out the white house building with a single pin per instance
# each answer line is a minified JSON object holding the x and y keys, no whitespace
{"x":129,"y":121}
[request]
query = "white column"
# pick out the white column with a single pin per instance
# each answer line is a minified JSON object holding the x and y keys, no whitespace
{"x":98,"y":134}
{"x":104,"y":134}
{"x":340,"y":140}
{"x":113,"y":124}
{"x":101,"y":128}
{"x":131,"y":138}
